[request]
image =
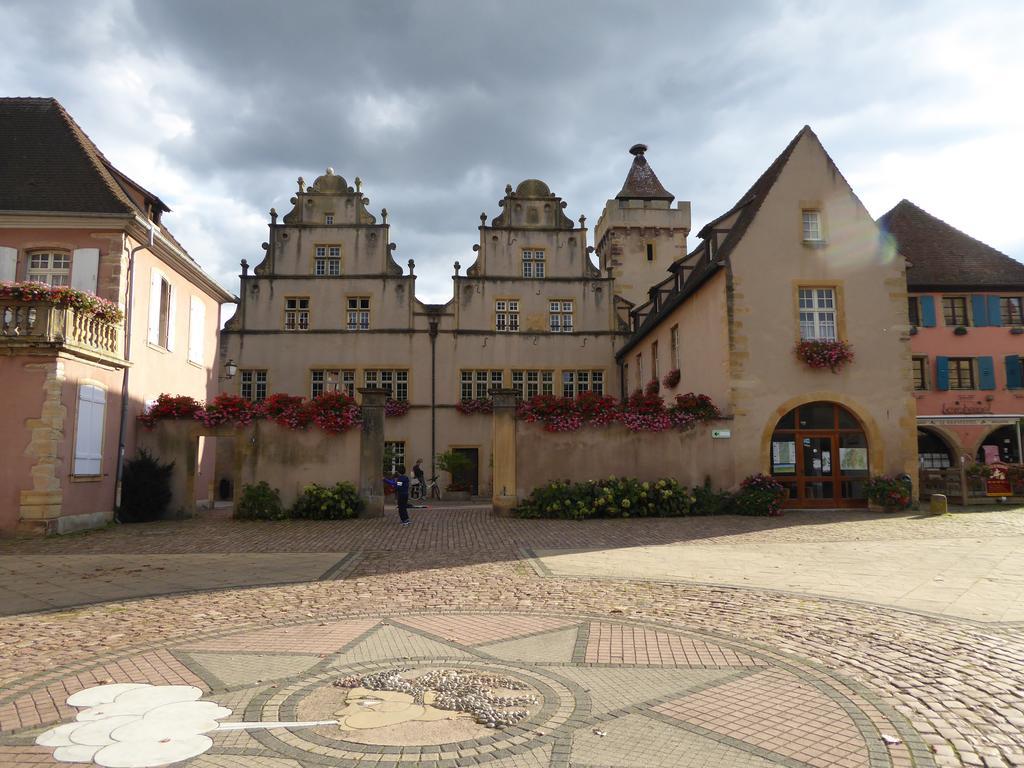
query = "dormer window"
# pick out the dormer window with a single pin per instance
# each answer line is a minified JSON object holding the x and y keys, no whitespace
{"x":328,"y":218}
{"x":812,"y":226}
{"x":533,"y":263}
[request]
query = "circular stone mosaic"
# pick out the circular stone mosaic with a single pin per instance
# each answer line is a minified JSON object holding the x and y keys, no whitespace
{"x":457,"y":690}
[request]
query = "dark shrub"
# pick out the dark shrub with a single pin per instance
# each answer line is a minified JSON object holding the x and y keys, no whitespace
{"x":614,"y":497}
{"x":760,"y":495}
{"x":708,"y":501}
{"x":319,"y":502}
{"x":145,"y":489}
{"x":259,"y":502}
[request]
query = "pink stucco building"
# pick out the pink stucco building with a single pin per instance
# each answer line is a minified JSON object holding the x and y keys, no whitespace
{"x":74,"y":381}
{"x":965,"y":302}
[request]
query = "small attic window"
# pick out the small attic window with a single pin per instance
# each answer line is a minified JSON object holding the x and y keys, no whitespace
{"x":328,"y":218}
{"x":812,"y":226}
{"x":650,"y":251}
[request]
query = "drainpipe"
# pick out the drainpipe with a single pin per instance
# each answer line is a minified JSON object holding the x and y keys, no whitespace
{"x":129,"y":304}
{"x":433,"y":392}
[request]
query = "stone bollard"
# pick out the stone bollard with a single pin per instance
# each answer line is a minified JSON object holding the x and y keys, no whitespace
{"x":938,"y":505}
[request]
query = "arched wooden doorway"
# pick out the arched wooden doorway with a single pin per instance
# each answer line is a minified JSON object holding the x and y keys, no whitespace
{"x":820,"y":453}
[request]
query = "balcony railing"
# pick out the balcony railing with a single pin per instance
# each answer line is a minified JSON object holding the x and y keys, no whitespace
{"x":35,"y":324}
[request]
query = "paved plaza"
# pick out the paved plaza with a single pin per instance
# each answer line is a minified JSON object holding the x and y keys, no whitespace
{"x":816,"y":639}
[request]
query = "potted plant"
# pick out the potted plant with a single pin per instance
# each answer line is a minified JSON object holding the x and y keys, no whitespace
{"x":454,"y":464}
{"x":888,"y":494}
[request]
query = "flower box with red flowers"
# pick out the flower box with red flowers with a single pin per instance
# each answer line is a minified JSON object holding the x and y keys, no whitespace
{"x":394,"y":409}
{"x":63,"y":296}
{"x":475,"y":405}
{"x":824,"y":353}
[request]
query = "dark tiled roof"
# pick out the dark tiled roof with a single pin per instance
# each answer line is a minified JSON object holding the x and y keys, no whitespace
{"x":704,"y":268}
{"x":941,"y":256}
{"x":48,"y":163}
{"x":641,"y":181}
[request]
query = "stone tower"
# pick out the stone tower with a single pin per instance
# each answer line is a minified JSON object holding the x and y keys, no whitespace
{"x":639,"y":234}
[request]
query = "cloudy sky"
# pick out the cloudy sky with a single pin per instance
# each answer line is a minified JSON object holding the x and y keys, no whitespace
{"x":218,"y":106}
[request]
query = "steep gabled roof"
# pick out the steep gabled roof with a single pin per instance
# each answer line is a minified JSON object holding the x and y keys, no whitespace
{"x":747,"y":208}
{"x":48,"y":163}
{"x":940,"y":256}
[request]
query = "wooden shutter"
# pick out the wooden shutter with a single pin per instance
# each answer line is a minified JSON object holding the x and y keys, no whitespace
{"x":927,"y":304}
{"x":196,"y":329}
{"x":986,"y":373}
{"x":1014,"y":379}
{"x":155,"y":279}
{"x":172,"y":299}
{"x":92,"y":403}
{"x":85,"y":269}
{"x":941,"y":372}
{"x":979,"y":309}
{"x":8,"y":264}
{"x":995,"y":316}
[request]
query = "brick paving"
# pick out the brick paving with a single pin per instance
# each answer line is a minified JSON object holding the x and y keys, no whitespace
{"x":952,"y":691}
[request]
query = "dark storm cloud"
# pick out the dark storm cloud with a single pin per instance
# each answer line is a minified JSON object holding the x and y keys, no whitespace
{"x":437,"y":105}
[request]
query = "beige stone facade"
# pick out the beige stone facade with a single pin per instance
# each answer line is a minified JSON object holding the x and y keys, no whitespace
{"x":329,"y":307}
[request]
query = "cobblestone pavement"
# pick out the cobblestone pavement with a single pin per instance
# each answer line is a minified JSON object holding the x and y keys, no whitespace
{"x":626,"y":673}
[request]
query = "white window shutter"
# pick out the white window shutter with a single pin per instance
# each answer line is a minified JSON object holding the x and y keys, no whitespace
{"x":92,"y":403}
{"x":8,"y":264}
{"x":85,"y":269}
{"x":171,"y":318}
{"x":196,"y":329}
{"x":154,"y":306}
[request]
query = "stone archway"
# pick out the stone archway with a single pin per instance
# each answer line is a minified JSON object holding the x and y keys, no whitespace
{"x":936,"y":450}
{"x":1005,"y":440}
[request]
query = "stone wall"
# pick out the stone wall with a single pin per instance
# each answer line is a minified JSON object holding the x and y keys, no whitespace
{"x":595,"y":453}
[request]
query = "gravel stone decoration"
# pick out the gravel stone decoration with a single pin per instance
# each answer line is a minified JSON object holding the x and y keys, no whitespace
{"x":454,"y":690}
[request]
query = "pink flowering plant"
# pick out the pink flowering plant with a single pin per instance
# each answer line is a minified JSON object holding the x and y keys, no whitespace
{"x":335,"y":412}
{"x":63,"y":296}
{"x":229,"y":409}
{"x":395,"y":408}
{"x":287,"y":410}
{"x":760,"y":495}
{"x":823,"y":353}
{"x":671,"y":379}
{"x":888,"y":491}
{"x":653,"y":387}
{"x":171,"y":407}
{"x":639,"y":412}
{"x":475,"y":405}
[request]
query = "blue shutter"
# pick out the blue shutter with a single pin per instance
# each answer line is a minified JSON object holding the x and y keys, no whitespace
{"x":1013,"y":372}
{"x":994,"y":315}
{"x":941,"y":372}
{"x":979,"y":308}
{"x":927,"y":307}
{"x":986,"y":373}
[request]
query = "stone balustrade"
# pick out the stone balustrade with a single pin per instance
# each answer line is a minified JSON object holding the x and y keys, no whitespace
{"x":38,"y":325}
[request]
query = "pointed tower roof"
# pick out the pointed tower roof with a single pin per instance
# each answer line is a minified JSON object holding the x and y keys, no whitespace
{"x":641,"y":181}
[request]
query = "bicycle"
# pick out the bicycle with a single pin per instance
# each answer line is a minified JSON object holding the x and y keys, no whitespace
{"x":432,"y":490}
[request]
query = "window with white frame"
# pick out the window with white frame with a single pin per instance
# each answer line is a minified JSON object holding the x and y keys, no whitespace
{"x":161,"y":311}
{"x":674,"y":347}
{"x":359,"y":313}
{"x":640,"y":371}
{"x":395,"y":381}
{"x":506,"y":315}
{"x":654,"y":360}
{"x":818,"y":314}
{"x":394,"y":455}
{"x":196,"y":330}
{"x":328,"y":218}
{"x":477,"y":384}
{"x":50,"y":267}
{"x":529,"y":384}
{"x":252,"y":384}
{"x":322,"y":380}
{"x":576,"y":382}
{"x":533,"y":263}
{"x":327,"y":260}
{"x":812,"y":226}
{"x":560,"y":316}
{"x":348,"y":383}
{"x":296,"y":313}
{"x":92,"y":406}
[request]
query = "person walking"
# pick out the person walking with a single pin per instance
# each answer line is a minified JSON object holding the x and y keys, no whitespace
{"x":421,"y":478}
{"x":400,"y":482}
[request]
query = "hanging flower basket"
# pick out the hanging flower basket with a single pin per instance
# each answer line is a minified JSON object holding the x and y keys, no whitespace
{"x":396,"y":408}
{"x":671,"y":379}
{"x":653,"y":387}
{"x":475,"y":405}
{"x":824,"y":354}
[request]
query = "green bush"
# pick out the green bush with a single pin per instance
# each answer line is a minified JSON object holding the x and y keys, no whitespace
{"x":614,"y":497}
{"x":259,"y":502}
{"x":145,"y":489}
{"x":319,"y":502}
{"x":708,"y":501}
{"x":760,"y":495}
